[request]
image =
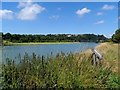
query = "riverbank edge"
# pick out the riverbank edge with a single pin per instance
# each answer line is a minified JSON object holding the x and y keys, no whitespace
{"x":37,"y":43}
{"x":107,"y":50}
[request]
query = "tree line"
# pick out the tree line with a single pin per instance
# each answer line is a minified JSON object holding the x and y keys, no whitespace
{"x":116,"y":36}
{"x":21,"y":38}
{"x":53,"y":38}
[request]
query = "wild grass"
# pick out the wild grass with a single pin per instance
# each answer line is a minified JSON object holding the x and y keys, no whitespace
{"x":63,"y":71}
{"x":110,"y":55}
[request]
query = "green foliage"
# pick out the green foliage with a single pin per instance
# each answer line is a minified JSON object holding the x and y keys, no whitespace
{"x":0,"y":38}
{"x":114,"y":81}
{"x":53,"y":38}
{"x":116,"y":36}
{"x":62,"y":71}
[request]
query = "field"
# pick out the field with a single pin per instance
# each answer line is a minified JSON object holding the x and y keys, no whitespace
{"x":73,"y":70}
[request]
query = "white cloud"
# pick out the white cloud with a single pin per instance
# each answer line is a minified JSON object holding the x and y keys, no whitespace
{"x":29,"y":11}
{"x":108,"y":7}
{"x":24,"y":4}
{"x":99,"y":14}
{"x":54,"y":17}
{"x":6,"y":14}
{"x":83,"y":11}
{"x":100,"y":22}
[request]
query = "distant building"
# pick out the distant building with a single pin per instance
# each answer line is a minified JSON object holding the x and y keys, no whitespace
{"x":69,"y":35}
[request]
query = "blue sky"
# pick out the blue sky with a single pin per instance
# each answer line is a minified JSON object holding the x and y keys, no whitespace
{"x":59,"y":17}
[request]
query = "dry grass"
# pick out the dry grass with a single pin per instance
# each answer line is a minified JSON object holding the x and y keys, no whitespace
{"x":109,"y":52}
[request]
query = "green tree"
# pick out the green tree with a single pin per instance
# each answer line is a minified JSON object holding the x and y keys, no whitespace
{"x":53,"y":38}
{"x":116,"y":36}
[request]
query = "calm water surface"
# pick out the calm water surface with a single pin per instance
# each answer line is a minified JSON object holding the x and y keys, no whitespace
{"x":13,"y":52}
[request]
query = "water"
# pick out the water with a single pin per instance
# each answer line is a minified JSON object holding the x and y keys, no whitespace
{"x":13,"y":52}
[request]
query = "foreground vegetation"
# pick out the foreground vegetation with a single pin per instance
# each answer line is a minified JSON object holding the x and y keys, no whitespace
{"x":110,"y":53}
{"x":63,"y":71}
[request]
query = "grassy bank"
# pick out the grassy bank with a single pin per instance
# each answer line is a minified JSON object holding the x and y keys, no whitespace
{"x":110,"y":55}
{"x":7,"y":43}
{"x":63,"y":71}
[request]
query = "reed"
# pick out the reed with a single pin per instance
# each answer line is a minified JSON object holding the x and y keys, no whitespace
{"x":62,"y":71}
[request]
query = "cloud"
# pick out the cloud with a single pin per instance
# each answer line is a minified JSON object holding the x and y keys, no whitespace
{"x":108,"y":7}
{"x":54,"y":17}
{"x":29,"y":11}
{"x":99,"y":14}
{"x":100,"y":22}
{"x":24,"y":4}
{"x":6,"y":14}
{"x":83,"y":11}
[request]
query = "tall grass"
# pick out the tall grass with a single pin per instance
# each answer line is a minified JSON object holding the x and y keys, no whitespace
{"x":62,"y":71}
{"x":110,"y":55}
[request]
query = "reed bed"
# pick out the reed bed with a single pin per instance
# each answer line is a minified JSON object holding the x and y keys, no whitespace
{"x":62,"y":71}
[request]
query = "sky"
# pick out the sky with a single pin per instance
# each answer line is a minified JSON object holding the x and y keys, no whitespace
{"x":59,"y":17}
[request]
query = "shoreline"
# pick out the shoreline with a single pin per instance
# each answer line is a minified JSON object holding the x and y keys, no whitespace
{"x":39,"y":43}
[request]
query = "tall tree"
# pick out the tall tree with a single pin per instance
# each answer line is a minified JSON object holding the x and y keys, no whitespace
{"x":116,"y":36}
